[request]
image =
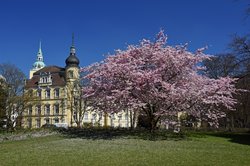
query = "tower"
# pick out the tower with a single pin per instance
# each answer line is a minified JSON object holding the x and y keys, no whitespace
{"x":72,"y":65}
{"x":72,"y":84}
{"x":39,"y":64}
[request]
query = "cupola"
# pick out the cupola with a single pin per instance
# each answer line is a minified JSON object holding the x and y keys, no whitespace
{"x":72,"y":60}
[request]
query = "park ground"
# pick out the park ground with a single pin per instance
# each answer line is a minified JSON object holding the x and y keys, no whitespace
{"x":123,"y":147}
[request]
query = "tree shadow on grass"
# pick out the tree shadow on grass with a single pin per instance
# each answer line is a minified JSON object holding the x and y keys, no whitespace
{"x":240,"y":138}
{"x":110,"y":133}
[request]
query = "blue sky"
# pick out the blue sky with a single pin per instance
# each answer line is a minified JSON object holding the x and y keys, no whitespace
{"x":101,"y":26}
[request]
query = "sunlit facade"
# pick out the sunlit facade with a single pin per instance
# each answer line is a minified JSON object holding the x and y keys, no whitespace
{"x":52,"y":87}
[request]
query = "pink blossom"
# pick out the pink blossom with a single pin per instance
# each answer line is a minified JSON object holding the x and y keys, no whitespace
{"x":159,"y":78}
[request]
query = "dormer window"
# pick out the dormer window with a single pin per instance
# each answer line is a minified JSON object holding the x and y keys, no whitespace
{"x":45,"y":78}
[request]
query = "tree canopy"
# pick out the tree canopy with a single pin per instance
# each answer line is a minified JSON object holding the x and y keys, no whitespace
{"x":158,"y":81}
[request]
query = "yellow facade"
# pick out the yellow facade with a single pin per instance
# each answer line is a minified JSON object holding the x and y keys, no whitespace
{"x":55,"y":90}
{"x":49,"y":108}
{"x":53,"y":107}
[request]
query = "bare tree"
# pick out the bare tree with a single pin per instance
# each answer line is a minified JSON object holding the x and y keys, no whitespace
{"x":77,"y":104}
{"x":13,"y":98}
{"x":3,"y":98}
{"x":221,"y":65}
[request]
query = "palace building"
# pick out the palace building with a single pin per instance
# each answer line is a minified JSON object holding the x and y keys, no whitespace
{"x":55,"y":90}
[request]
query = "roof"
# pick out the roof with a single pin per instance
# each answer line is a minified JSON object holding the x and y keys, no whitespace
{"x":72,"y":61}
{"x":57,"y":74}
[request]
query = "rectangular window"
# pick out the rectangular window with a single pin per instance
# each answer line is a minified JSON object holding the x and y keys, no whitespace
{"x":56,"y":109}
{"x":71,"y":75}
{"x":39,"y":93}
{"x":47,"y":121}
{"x":119,"y":120}
{"x":47,"y":109}
{"x":38,"y":123}
{"x":86,"y":116}
{"x":30,"y":110}
{"x":29,"y":123}
{"x":56,"y":120}
{"x":126,"y":116}
{"x":57,"y":93}
{"x":112,"y":122}
{"x":93,"y":120}
{"x":47,"y":93}
{"x":38,"y":110}
{"x":112,"y":116}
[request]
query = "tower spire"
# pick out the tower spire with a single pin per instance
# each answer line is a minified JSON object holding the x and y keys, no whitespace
{"x":72,"y":60}
{"x":40,"y":45}
{"x":72,"y":48}
{"x":39,"y":61}
{"x":40,"y":49}
{"x":40,"y":54}
{"x":73,"y":42}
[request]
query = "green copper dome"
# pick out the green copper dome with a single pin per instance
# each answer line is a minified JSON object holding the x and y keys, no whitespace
{"x":38,"y":65}
{"x":39,"y":61}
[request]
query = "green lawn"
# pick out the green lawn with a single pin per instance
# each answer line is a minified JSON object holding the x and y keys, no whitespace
{"x":60,"y":150}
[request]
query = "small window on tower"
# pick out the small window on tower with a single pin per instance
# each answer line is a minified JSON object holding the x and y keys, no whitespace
{"x":71,"y":74}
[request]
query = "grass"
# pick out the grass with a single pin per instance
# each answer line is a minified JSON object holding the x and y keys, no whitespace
{"x":111,"y":147}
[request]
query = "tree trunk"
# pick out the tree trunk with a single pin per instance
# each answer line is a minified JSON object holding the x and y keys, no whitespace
{"x":152,"y":118}
{"x":154,"y":122}
{"x":232,"y":121}
{"x":132,"y":119}
{"x":78,"y":124}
